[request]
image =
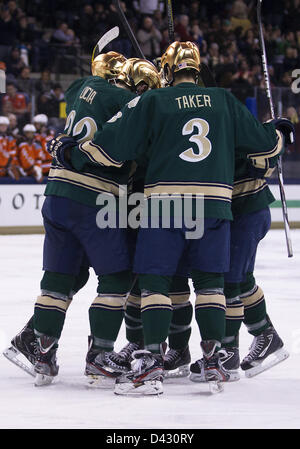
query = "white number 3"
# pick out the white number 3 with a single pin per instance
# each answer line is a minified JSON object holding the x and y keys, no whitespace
{"x":200,"y":139}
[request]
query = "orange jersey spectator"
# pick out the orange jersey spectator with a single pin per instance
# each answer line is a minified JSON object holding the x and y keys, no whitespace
{"x":43,"y":136}
{"x":30,"y":154}
{"x":8,"y":151}
{"x":14,"y":102}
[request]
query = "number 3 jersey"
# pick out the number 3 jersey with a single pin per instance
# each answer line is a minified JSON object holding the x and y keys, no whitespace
{"x":192,"y":137}
{"x":91,"y":101}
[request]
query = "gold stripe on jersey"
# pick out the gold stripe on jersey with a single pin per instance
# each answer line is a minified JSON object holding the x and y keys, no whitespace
{"x":85,"y":180}
{"x":248,"y":186}
{"x":261,"y":160}
{"x":97,"y":155}
{"x":211,"y":191}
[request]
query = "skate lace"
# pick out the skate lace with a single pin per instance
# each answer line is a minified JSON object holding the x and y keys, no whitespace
{"x":171,"y":355}
{"x":111,"y":359}
{"x":128,"y":350}
{"x":35,"y":347}
{"x":256,"y":347}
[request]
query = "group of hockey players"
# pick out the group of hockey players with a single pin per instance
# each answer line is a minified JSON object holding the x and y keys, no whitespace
{"x":25,"y":153}
{"x":124,"y":129}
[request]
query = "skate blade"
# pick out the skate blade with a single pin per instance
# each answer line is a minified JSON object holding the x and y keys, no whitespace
{"x":12,"y":354}
{"x":234,"y":376}
{"x":101,"y":382}
{"x":43,"y":380}
{"x":148,"y":388}
{"x":215,"y":386}
{"x":272,"y":360}
{"x":181,"y":371}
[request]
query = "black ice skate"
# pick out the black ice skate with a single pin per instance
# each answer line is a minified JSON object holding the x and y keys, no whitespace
{"x":230,"y":361}
{"x":125,"y":355}
{"x":209,"y":368}
{"x":146,"y":377}
{"x":176,"y":363}
{"x":265,"y":352}
{"x":23,"y":345}
{"x":46,"y":367}
{"x":103,"y":367}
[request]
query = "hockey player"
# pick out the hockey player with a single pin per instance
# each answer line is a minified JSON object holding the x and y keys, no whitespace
{"x":90,"y":102}
{"x":8,"y":151}
{"x":163,"y":125}
{"x":30,"y":153}
{"x":245,"y":300}
{"x":60,"y":283}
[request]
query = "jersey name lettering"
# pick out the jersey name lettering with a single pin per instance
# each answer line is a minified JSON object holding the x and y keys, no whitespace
{"x":193,"y":101}
{"x":88,"y":94}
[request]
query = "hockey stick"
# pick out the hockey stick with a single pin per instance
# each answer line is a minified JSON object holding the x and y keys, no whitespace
{"x":272,"y":111}
{"x":128,"y":29}
{"x":206,"y":75}
{"x":109,"y":36}
{"x":170,"y":21}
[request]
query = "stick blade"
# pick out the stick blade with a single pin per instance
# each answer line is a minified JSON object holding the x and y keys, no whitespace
{"x":109,"y":36}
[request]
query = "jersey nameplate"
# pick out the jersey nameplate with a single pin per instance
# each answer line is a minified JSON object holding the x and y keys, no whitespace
{"x":193,"y":101}
{"x":88,"y":94}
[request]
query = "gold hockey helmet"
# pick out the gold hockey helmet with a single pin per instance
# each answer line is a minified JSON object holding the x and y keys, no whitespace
{"x":108,"y":65}
{"x":136,"y":71}
{"x":180,"y":56}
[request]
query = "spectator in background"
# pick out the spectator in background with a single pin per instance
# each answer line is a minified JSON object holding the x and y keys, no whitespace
{"x":25,"y":82}
{"x":49,"y":104}
{"x":291,"y":59}
{"x":26,"y":32}
{"x":164,"y":43}
{"x":44,"y":84}
{"x":8,"y":28}
{"x":42,"y":54}
{"x":14,"y":62}
{"x":61,"y":35}
{"x":30,"y":153}
{"x":194,"y":12}
{"x":214,"y":58}
{"x":182,"y":28}
{"x":14,"y":10}
{"x":87,"y":27}
{"x":8,"y":151}
{"x":147,"y":7}
{"x":239,"y":16}
{"x":158,"y":21}
{"x":149,"y":38}
{"x":197,"y":35}
{"x":13,"y":129}
{"x":17,"y":103}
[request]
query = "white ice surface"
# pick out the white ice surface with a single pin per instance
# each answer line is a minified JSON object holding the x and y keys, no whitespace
{"x":270,"y":400}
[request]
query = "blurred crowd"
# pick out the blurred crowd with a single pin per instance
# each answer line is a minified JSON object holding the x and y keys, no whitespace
{"x":34,"y":34}
{"x":23,"y":151}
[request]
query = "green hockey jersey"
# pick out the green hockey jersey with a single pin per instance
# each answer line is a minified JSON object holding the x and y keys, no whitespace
{"x":249,"y":194}
{"x":91,"y":101}
{"x":191,"y":136}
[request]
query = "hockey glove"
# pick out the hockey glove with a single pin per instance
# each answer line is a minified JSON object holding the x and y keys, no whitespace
{"x":286,"y":127}
{"x":60,"y":149}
